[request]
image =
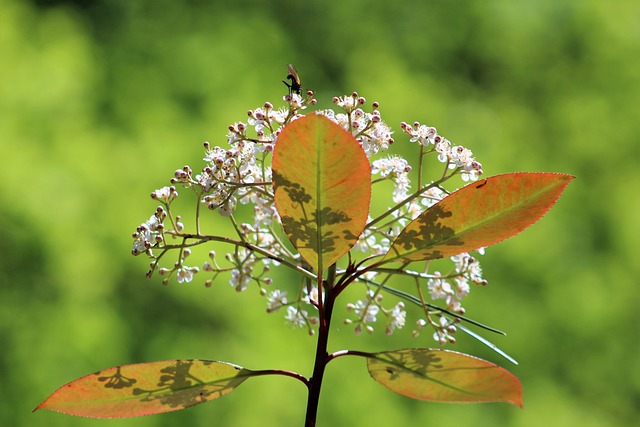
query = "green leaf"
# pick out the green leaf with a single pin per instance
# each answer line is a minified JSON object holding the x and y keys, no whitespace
{"x":146,"y":388}
{"x":478,"y":215}
{"x":444,"y":376}
{"x":322,"y":180}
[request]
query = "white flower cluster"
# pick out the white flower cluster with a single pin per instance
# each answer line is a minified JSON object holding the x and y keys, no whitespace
{"x":368,"y":128}
{"x":452,"y":289}
{"x":367,"y":310}
{"x":397,"y":169}
{"x":456,"y":157}
{"x":240,"y":174}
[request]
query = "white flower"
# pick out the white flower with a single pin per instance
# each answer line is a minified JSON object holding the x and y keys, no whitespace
{"x":258,"y":118}
{"x":443,"y":148}
{"x":462,"y":287}
{"x":239,"y":280}
{"x":402,"y":185}
{"x":265,"y":212}
{"x":443,"y":331}
{"x":347,"y":102}
{"x":392,"y":165}
{"x":461,"y":158}
{"x":311,"y":296}
{"x":469,"y":267}
{"x":397,"y":318}
{"x":185,"y":274}
{"x":215,"y":156}
{"x":424,"y":135}
{"x":279,"y":115}
{"x":439,"y":288}
{"x":382,"y":167}
{"x":140,"y":243}
{"x":413,"y":209}
{"x":295,"y":100}
{"x":165,"y":194}
{"x":367,"y":310}
{"x":396,"y":168}
{"x":148,"y":233}
{"x":432,"y":196}
{"x":275,"y":300}
{"x":375,"y":139}
{"x":472,"y":171}
{"x":295,"y":317}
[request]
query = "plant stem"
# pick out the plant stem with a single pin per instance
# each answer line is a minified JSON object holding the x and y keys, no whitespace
{"x":322,"y":356}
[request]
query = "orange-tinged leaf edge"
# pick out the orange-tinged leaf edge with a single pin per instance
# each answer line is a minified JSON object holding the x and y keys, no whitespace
{"x":453,"y":245}
{"x":322,"y":185}
{"x":117,"y":393}
{"x":427,"y":378}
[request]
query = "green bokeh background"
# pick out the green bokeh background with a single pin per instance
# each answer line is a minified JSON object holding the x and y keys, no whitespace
{"x":101,"y":100}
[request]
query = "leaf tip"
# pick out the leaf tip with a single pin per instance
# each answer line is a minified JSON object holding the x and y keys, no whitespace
{"x":42,"y":405}
{"x":518,"y":403}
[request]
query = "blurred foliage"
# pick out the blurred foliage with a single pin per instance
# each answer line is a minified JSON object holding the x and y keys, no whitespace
{"x":101,"y":99}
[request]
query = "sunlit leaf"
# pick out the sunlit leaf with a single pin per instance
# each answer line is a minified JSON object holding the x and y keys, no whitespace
{"x":444,"y":376}
{"x":478,"y":215}
{"x":322,"y":184}
{"x":146,"y":388}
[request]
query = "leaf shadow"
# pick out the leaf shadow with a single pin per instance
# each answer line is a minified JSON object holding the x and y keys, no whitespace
{"x":303,"y":230}
{"x":177,"y":387}
{"x":426,"y":232}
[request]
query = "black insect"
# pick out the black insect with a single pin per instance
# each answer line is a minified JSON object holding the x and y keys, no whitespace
{"x":295,"y":86}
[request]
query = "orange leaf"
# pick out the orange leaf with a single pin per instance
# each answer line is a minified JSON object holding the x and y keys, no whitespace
{"x":146,"y":388}
{"x":322,"y":180}
{"x":478,"y":215}
{"x":444,"y":376}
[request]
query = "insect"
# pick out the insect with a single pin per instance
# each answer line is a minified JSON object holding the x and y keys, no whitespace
{"x":295,"y":86}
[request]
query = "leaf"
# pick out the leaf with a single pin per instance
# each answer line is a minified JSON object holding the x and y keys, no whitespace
{"x":478,"y":215}
{"x":488,"y":343}
{"x":444,"y":376}
{"x":322,"y":180}
{"x":146,"y":388}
